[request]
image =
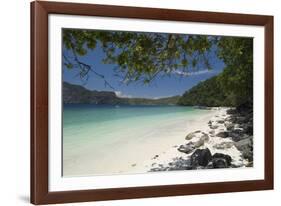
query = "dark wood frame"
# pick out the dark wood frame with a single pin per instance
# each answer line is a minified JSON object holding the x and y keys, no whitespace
{"x":39,"y":102}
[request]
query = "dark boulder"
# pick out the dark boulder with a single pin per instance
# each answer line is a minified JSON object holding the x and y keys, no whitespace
{"x":246,"y":107}
{"x":187,"y":148}
{"x":219,"y":160}
{"x":229,"y":125}
{"x":248,"y":155}
{"x":248,"y":128}
{"x":241,"y":119}
{"x":222,"y":134}
{"x":238,"y":135}
{"x":220,"y":121}
{"x":245,"y":146}
{"x":217,"y":163}
{"x":231,"y":111}
{"x":212,"y":132}
{"x":250,"y":164}
{"x":200,"y":157}
{"x":225,"y":157}
{"x":249,"y":117}
{"x":214,"y":126}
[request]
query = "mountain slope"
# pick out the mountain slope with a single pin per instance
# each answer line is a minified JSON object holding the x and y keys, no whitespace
{"x":206,"y":93}
{"x":73,"y":94}
{"x":76,"y":94}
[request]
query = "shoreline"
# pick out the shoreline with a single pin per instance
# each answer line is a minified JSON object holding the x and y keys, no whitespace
{"x":168,"y":146}
{"x":127,"y":149}
{"x":223,"y":143}
{"x":167,"y":154}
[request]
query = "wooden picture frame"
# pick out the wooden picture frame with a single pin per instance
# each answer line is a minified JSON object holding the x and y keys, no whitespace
{"x":40,"y":193}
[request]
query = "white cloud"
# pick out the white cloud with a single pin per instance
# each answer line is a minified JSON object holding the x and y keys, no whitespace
{"x":161,"y":97}
{"x":183,"y":73}
{"x":122,"y":95}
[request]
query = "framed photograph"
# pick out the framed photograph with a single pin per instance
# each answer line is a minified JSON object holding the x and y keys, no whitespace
{"x":133,"y":102}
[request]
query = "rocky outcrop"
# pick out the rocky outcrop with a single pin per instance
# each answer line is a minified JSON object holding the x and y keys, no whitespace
{"x":200,"y":157}
{"x":213,"y":149}
{"x":225,"y":157}
{"x":219,"y":160}
{"x":228,"y":125}
{"x":190,"y":136}
{"x":187,"y":148}
{"x":242,"y":132}
{"x":223,"y":145}
{"x":198,"y":139}
{"x":246,"y":147}
{"x":238,"y":127}
{"x":222,"y":134}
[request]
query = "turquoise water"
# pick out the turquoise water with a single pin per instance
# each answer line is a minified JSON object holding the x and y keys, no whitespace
{"x":78,"y":118}
{"x":94,"y":134}
{"x":80,"y":114}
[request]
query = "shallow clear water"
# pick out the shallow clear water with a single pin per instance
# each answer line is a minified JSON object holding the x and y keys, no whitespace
{"x":100,"y":139}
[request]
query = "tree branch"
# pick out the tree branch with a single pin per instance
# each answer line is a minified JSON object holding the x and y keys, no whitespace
{"x":84,"y":68}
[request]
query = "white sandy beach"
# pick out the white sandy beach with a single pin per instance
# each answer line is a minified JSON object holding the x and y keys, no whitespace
{"x":168,"y":156}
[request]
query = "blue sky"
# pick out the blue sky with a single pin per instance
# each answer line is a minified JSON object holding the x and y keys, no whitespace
{"x":175,"y":84}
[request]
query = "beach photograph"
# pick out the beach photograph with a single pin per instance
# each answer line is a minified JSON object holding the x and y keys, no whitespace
{"x":139,"y":102}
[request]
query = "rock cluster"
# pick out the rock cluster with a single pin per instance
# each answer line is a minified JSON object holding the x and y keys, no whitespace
{"x":238,"y":128}
{"x":242,"y":131}
{"x":197,"y":138}
{"x":200,"y":159}
{"x":235,"y":131}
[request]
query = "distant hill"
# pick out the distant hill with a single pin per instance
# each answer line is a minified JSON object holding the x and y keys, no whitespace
{"x":76,"y":94}
{"x":161,"y":101}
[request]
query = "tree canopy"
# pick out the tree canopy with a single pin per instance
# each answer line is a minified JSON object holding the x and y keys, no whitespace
{"x":141,"y":56}
{"x":206,"y":93}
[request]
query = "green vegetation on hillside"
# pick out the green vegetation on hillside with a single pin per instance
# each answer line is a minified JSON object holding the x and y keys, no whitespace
{"x":161,"y":101}
{"x":234,"y":86}
{"x":206,"y":93}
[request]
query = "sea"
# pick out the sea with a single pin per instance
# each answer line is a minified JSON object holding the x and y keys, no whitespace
{"x":113,"y":139}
